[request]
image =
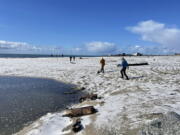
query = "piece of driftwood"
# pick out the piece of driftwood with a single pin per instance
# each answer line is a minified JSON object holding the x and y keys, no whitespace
{"x":75,"y":91}
{"x":135,"y":64}
{"x":89,"y":96}
{"x":71,"y":92}
{"x":82,"y":88}
{"x":77,"y":126}
{"x":138,"y":64}
{"x":76,"y":112}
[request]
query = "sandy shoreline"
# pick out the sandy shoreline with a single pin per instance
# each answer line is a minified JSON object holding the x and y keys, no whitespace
{"x":125,"y":105}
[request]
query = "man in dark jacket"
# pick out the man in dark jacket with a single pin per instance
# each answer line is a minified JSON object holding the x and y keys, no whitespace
{"x":124,"y":65}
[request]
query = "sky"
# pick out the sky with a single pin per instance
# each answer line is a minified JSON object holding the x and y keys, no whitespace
{"x":90,"y":26}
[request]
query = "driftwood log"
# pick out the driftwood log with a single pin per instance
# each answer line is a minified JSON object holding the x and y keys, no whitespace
{"x":71,"y":92}
{"x":89,"y":96}
{"x":135,"y":64}
{"x":138,"y":64}
{"x":76,"y":112}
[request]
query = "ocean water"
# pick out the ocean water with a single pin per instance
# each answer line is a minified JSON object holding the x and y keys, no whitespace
{"x":23,"y":100}
{"x":23,"y":55}
{"x":40,"y":55}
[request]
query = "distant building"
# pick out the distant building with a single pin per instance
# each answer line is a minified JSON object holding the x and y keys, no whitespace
{"x":137,"y":54}
{"x":122,"y":54}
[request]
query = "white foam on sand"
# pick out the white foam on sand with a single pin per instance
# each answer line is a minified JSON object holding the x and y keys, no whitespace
{"x":151,"y":89}
{"x":48,"y":124}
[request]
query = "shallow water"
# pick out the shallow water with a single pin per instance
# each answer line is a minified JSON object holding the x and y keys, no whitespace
{"x":23,"y":100}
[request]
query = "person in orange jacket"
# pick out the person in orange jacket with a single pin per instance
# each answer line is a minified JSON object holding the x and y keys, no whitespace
{"x":102,"y":62}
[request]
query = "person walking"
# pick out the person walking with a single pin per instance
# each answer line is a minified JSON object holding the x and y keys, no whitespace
{"x":102,"y":62}
{"x":124,"y":65}
{"x":70,"y":58}
{"x":74,"y":58}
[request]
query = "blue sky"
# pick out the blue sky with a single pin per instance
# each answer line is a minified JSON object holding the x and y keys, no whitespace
{"x":89,"y":26}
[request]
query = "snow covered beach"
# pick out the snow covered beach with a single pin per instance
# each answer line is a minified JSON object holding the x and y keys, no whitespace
{"x":126,"y":104}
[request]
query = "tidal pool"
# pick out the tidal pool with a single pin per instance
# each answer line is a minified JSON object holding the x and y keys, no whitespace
{"x":24,"y":99}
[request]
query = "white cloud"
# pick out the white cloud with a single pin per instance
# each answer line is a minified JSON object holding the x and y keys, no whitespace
{"x":151,"y":49}
{"x":78,"y":49}
{"x":12,"y":45}
{"x":20,"y":47}
{"x":158,"y":33}
{"x":100,"y":47}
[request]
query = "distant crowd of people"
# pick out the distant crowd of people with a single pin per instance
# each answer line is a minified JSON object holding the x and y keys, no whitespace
{"x":72,"y":58}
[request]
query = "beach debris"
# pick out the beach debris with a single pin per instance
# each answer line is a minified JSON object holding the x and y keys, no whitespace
{"x":138,"y":64}
{"x":82,"y":88}
{"x":89,"y":96}
{"x":71,"y":92}
{"x":77,"y":126}
{"x":77,"y":112}
{"x":172,"y":93}
{"x":135,"y":64}
{"x":75,"y":90}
